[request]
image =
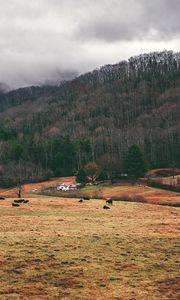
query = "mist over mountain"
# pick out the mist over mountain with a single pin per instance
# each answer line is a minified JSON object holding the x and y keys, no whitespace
{"x":4,"y":87}
{"x":57,"y":129}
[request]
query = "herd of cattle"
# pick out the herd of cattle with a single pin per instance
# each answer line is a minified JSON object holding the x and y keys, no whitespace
{"x":110,"y":201}
{"x":18,"y":202}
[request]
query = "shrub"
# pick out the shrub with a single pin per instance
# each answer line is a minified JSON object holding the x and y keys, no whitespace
{"x":164,"y":186}
{"x":166,"y":173}
{"x":127,"y":198}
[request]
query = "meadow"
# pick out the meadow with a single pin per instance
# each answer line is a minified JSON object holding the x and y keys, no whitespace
{"x":58,"y":248}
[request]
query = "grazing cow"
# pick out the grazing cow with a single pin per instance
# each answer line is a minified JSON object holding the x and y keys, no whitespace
{"x":26,"y":201}
{"x":15,"y":204}
{"x":81,"y":200}
{"x":2,"y":198}
{"x":110,"y":201}
{"x":19,"y":201}
{"x":106,"y":207}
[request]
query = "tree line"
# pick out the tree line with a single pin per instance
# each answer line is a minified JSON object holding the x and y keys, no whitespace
{"x":96,"y":118}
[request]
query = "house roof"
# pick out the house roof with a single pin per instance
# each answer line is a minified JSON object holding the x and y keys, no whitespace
{"x":68,"y":183}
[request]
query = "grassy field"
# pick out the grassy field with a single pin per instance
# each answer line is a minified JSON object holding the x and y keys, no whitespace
{"x":55,"y":248}
{"x":13,"y":192}
{"x":123,"y":191}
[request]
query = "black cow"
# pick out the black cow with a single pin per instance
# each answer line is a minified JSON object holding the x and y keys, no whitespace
{"x":26,"y":201}
{"x":81,"y":200}
{"x":110,"y":201}
{"x":19,"y":201}
{"x":15,"y":204}
{"x":106,"y":207}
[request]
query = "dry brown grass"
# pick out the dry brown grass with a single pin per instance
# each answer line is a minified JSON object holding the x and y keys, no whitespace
{"x":170,"y":180}
{"x":54,"y":248}
{"x":12,"y":192}
{"x":150,"y":194}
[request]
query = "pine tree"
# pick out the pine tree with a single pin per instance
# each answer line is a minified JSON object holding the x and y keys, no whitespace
{"x":135,"y":163}
{"x":81,"y":176}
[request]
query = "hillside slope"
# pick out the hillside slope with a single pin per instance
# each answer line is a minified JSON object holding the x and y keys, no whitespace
{"x":102,"y":113}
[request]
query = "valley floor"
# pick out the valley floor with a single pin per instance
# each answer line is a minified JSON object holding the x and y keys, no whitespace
{"x":106,"y":190}
{"x":55,"y":248}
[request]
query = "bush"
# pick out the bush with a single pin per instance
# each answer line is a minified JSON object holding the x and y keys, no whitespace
{"x":173,"y":204}
{"x":127,"y":198}
{"x":71,"y":194}
{"x":164,"y":186}
{"x":166,"y":173}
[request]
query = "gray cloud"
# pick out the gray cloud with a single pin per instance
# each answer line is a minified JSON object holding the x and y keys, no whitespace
{"x":53,"y":40}
{"x":122,"y":20}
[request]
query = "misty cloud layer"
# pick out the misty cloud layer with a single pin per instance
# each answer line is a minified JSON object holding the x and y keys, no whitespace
{"x":52,"y":40}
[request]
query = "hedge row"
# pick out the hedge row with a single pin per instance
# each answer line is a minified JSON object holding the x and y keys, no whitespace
{"x":168,"y":187}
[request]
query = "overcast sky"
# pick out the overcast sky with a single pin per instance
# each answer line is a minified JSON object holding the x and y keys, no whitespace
{"x":53,"y":40}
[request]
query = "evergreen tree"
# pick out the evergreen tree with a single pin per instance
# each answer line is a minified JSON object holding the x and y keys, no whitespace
{"x":135,"y":163}
{"x":15,"y":151}
{"x":81,"y":176}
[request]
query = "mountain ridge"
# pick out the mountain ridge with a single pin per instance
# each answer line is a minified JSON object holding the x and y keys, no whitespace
{"x":112,"y":107}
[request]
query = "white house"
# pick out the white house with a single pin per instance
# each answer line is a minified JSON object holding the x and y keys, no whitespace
{"x":66,"y":186}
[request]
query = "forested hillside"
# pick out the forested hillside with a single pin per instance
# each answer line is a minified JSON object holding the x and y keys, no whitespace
{"x":55,"y":130}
